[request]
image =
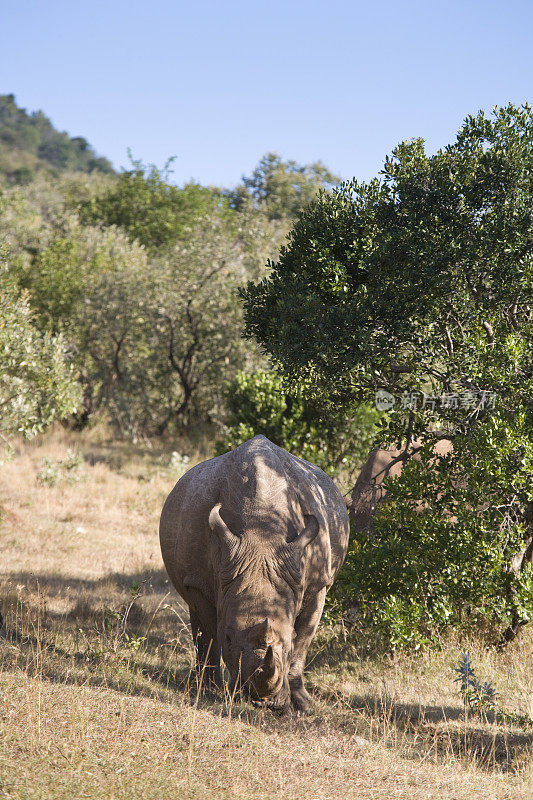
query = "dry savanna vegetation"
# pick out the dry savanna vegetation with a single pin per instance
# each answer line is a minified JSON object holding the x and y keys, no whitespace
{"x":96,"y":693}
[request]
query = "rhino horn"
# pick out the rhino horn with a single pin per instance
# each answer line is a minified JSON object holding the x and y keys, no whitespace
{"x":264,"y":679}
{"x":219,"y":527}
{"x":268,"y":667}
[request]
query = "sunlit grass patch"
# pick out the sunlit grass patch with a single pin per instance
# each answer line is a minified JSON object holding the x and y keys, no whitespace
{"x":98,"y":697}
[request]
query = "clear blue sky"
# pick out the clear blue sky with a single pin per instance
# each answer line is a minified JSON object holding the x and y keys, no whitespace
{"x":220,"y":83}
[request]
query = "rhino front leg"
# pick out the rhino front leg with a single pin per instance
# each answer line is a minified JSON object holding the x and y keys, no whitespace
{"x":304,"y":628}
{"x":203,"y":627}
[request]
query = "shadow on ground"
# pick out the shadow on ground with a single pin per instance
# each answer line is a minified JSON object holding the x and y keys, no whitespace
{"x":434,"y":730}
{"x":112,"y":626}
{"x":150,"y":654}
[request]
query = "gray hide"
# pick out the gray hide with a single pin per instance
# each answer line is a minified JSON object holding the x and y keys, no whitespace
{"x":252,"y":540}
{"x":369,"y":491}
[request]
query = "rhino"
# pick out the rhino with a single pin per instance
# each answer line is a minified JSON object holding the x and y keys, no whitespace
{"x":252,"y":540}
{"x":369,"y":490}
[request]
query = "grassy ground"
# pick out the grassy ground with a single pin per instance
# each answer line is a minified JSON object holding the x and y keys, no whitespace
{"x":96,"y":698}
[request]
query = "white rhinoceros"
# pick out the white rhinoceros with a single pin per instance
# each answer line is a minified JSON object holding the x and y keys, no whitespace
{"x":252,"y":540}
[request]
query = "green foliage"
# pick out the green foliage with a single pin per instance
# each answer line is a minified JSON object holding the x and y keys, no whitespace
{"x":32,"y":136}
{"x":151,"y":335}
{"x":92,"y":286}
{"x":80,"y":270}
{"x":60,"y":274}
{"x":478,"y":695}
{"x":260,"y":403}
{"x":440,"y":549}
{"x":22,"y":175}
{"x":197,"y":317}
{"x":37,"y":385}
{"x":34,"y":215}
{"x":393,"y":283}
{"x":282,"y":188}
{"x":422,"y":282}
{"x":22,"y":228}
{"x":139,"y":277}
{"x":148,"y":208}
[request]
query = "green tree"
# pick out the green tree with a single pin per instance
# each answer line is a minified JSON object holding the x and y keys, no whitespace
{"x":154,"y":336}
{"x":258,"y":402}
{"x":148,"y":208}
{"x":197,"y":316}
{"x":282,"y":188}
{"x":31,"y":144}
{"x":37,"y":384}
{"x":92,"y":286}
{"x":421,"y":283}
{"x":23,"y":230}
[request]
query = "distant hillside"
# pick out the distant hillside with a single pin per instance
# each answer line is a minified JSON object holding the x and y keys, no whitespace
{"x":29,"y":144}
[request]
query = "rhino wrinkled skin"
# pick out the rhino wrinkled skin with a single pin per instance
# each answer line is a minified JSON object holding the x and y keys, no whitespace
{"x":252,"y":540}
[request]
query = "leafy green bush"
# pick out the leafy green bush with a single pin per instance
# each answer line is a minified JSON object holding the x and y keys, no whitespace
{"x":68,"y":469}
{"x":448,"y":548}
{"x":148,"y":208}
{"x":260,"y":403}
{"x":150,"y":334}
{"x":37,"y":385}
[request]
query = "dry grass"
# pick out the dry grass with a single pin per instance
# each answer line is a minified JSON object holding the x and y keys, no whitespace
{"x":96,"y":705}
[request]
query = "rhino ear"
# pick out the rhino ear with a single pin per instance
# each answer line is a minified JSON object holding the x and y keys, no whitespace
{"x":219,"y":527}
{"x":309,"y":532}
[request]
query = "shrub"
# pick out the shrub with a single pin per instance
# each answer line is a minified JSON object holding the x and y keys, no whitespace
{"x":260,"y":403}
{"x":447,"y":548}
{"x":53,"y":472}
{"x":420,"y":283}
{"x":37,"y":385}
{"x":481,"y":697}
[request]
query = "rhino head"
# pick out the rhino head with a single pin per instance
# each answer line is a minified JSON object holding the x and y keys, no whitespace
{"x":260,"y":588}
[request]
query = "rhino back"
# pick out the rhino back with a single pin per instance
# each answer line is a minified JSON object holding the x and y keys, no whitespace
{"x":312,"y":491}
{"x":264,"y":489}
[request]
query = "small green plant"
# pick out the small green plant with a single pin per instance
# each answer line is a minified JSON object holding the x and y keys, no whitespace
{"x":49,"y":474}
{"x":54,"y":472}
{"x":73,"y":461}
{"x":132,"y":642}
{"x":475,"y":694}
{"x":481,"y":696}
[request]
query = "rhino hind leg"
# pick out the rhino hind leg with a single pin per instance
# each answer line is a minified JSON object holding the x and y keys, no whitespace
{"x":208,"y":674}
{"x":304,"y":628}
